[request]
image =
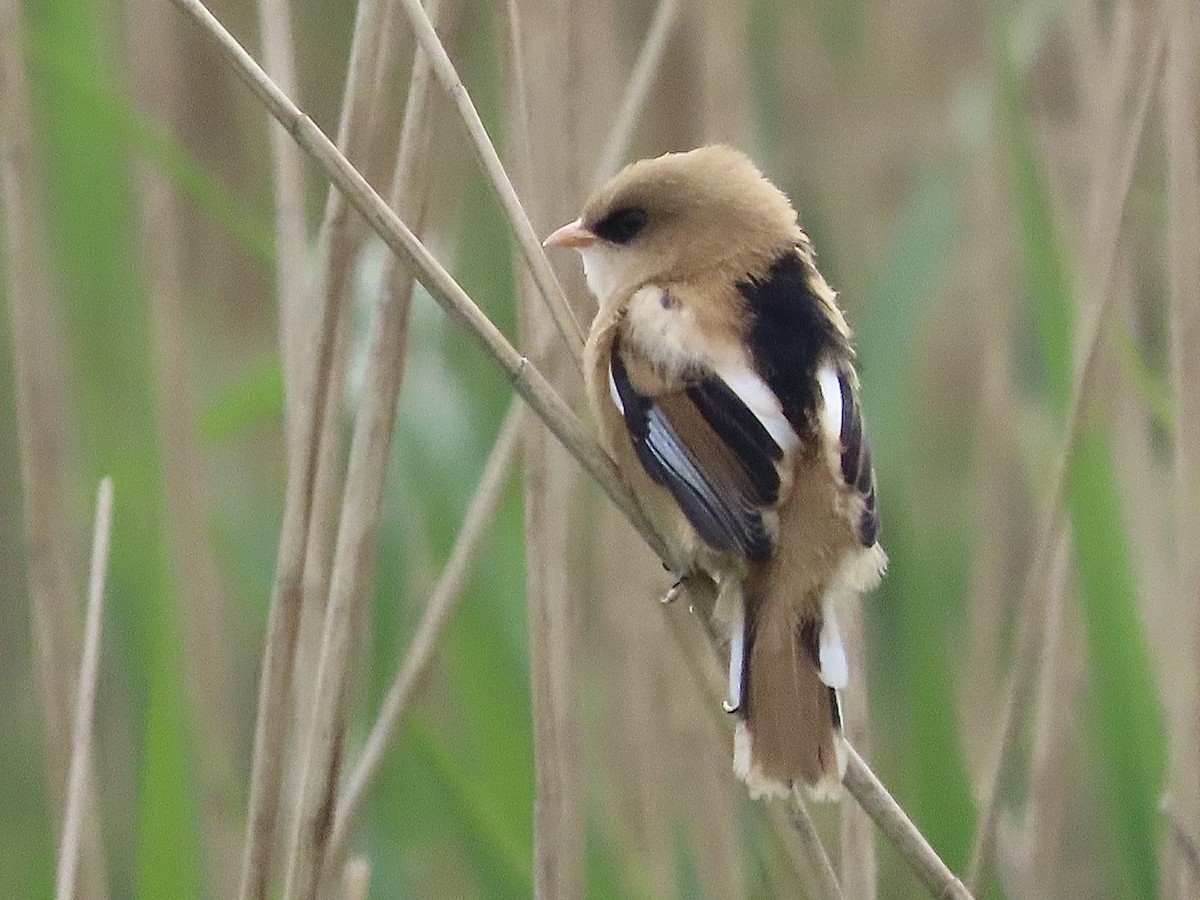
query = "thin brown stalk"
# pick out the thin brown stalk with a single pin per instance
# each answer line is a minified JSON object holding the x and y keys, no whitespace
{"x":550,"y":482}
{"x":85,"y":699}
{"x":857,"y":863}
{"x":407,"y":192}
{"x":445,"y":595}
{"x":41,"y":372}
{"x":810,"y":841}
{"x":353,"y":562}
{"x":695,"y":644}
{"x":443,"y":602}
{"x":339,"y":241}
{"x":1030,"y":641}
{"x":522,"y":128}
{"x":284,"y":615}
{"x":899,"y":829}
{"x":641,"y":80}
{"x":527,"y":239}
{"x":291,"y":228}
{"x":1049,"y":758}
{"x":524,"y":376}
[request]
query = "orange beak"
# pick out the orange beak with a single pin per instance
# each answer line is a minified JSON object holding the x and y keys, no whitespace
{"x":573,"y":234}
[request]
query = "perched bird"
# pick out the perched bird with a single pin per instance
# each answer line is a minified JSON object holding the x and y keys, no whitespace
{"x":721,"y":373}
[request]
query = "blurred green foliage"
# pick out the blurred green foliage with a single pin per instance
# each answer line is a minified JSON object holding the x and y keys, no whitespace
{"x":1127,"y":714}
{"x":452,"y":812}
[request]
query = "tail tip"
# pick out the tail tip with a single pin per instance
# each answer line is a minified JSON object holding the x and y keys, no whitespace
{"x":826,"y":789}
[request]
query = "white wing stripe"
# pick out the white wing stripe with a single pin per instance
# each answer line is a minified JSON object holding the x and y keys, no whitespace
{"x":761,"y":400}
{"x":831,"y":403}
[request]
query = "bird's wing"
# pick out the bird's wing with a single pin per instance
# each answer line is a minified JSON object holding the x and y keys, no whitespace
{"x":855,"y":458}
{"x":801,"y":345}
{"x":711,"y":450}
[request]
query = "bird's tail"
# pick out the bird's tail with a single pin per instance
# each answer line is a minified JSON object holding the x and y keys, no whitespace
{"x":790,"y":728}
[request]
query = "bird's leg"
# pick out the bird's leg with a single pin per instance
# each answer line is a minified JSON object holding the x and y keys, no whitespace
{"x":672,"y":593}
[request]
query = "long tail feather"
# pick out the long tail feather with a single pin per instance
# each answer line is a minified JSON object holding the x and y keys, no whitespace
{"x":791,"y":728}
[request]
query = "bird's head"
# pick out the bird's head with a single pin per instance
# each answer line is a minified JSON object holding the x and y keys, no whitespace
{"x":707,"y":213}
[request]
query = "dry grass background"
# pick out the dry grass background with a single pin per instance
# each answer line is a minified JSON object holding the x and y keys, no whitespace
{"x":484,"y":698}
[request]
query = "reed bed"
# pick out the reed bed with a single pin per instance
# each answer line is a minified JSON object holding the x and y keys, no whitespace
{"x":341,"y":651}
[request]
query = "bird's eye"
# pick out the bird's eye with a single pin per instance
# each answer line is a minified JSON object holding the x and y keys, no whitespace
{"x":621,"y":226}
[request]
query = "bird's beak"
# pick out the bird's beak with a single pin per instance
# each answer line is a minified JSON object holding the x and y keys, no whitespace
{"x":573,"y":234}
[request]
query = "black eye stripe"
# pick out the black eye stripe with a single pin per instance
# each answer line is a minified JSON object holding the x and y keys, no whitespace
{"x":622,"y":225}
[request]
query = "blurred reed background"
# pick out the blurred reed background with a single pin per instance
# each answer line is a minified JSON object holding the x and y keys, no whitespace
{"x":1007,"y":197}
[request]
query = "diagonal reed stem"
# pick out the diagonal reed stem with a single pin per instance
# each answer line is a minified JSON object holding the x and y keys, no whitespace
{"x":444,"y":598}
{"x":861,"y":782}
{"x":85,"y":699}
{"x":443,"y":601}
{"x":526,"y":380}
{"x":527,"y":239}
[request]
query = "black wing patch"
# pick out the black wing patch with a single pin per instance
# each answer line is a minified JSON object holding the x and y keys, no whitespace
{"x":856,"y":462}
{"x":723,"y":496}
{"x":789,"y":335}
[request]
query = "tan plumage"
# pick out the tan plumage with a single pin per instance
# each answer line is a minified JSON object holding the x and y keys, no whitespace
{"x":720,"y":372}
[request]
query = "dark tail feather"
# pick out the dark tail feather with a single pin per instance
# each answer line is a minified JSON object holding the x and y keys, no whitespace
{"x":791,"y":728}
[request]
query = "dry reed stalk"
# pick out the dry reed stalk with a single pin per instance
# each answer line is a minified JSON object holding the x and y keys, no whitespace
{"x":521,"y":373}
{"x":550,"y":483}
{"x":356,"y":879}
{"x":1182,"y":139}
{"x":695,"y":645}
{"x":858,"y":868}
{"x":716,"y":820}
{"x":999,"y":488}
{"x":291,"y":226}
{"x":85,"y":699}
{"x":558,"y":840}
{"x":1051,"y":756}
{"x":353,"y":566}
{"x":527,"y":239}
{"x":358,"y":532}
{"x":899,"y":829}
{"x":641,"y":80}
{"x":287,"y":594}
{"x":445,"y":595}
{"x":1030,"y":650}
{"x":326,"y":499}
{"x":810,"y":841}
{"x":339,"y":240}
{"x":41,"y":367}
{"x":407,"y":195}
{"x":443,"y":601}
{"x":527,"y":381}
{"x":201,"y":602}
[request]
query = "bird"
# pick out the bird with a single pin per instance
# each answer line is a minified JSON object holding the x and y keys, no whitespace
{"x":721,"y":374}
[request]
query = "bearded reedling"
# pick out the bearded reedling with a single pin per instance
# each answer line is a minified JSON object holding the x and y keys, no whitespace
{"x":721,"y":373}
